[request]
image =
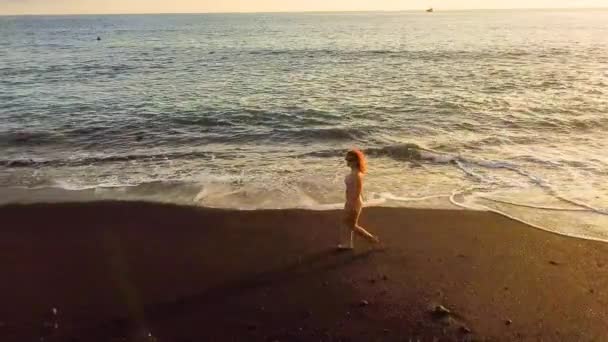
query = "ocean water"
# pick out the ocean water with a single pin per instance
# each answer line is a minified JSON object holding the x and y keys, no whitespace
{"x":490,"y":110}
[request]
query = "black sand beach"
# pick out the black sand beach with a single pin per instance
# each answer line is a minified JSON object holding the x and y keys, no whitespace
{"x":130,"y":271}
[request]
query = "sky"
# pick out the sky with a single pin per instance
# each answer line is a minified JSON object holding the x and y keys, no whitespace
{"x":202,"y":6}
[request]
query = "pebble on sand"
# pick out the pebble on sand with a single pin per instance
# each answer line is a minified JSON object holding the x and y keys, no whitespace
{"x":363,"y":303}
{"x":441,"y":310}
{"x":508,"y":322}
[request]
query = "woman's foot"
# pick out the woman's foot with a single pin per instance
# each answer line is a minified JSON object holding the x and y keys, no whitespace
{"x":377,"y":245}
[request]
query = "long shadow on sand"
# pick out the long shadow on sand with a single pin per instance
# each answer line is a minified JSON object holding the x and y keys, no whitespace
{"x":306,"y":267}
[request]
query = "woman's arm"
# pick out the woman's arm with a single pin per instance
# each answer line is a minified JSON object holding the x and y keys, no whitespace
{"x":359,"y":186}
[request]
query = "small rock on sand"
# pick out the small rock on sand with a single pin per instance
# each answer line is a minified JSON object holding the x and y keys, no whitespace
{"x":363,"y":303}
{"x":554,"y":263}
{"x":464,"y":329}
{"x":441,"y":310}
{"x":508,"y":322}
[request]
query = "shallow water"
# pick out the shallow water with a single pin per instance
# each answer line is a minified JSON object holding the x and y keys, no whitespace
{"x":504,"y":110}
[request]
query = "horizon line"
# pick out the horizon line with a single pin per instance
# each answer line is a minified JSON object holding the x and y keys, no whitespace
{"x":312,"y":11}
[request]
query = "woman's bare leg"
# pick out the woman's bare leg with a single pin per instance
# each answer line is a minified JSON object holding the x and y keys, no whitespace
{"x":364,"y":233}
{"x":345,"y":237}
{"x":352,"y":221}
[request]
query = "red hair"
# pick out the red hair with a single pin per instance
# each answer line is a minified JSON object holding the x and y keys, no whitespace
{"x":361,"y":163}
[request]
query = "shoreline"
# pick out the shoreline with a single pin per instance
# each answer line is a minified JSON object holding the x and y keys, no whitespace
{"x":59,"y":195}
{"x":55,"y":194}
{"x":119,"y":269}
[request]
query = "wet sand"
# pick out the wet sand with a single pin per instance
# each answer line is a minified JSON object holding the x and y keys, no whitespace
{"x":118,"y":271}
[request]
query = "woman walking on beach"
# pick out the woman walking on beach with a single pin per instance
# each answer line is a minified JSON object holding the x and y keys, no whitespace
{"x":354,"y":202}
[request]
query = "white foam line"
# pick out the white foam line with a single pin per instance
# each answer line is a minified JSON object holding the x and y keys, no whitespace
{"x":412,"y":199}
{"x":459,"y":192}
{"x":580,"y":204}
{"x":532,"y":205}
{"x":454,"y":202}
{"x":539,"y":181}
{"x":467,"y":171}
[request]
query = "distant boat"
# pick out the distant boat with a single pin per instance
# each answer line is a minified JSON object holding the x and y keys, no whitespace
{"x":430,"y":10}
